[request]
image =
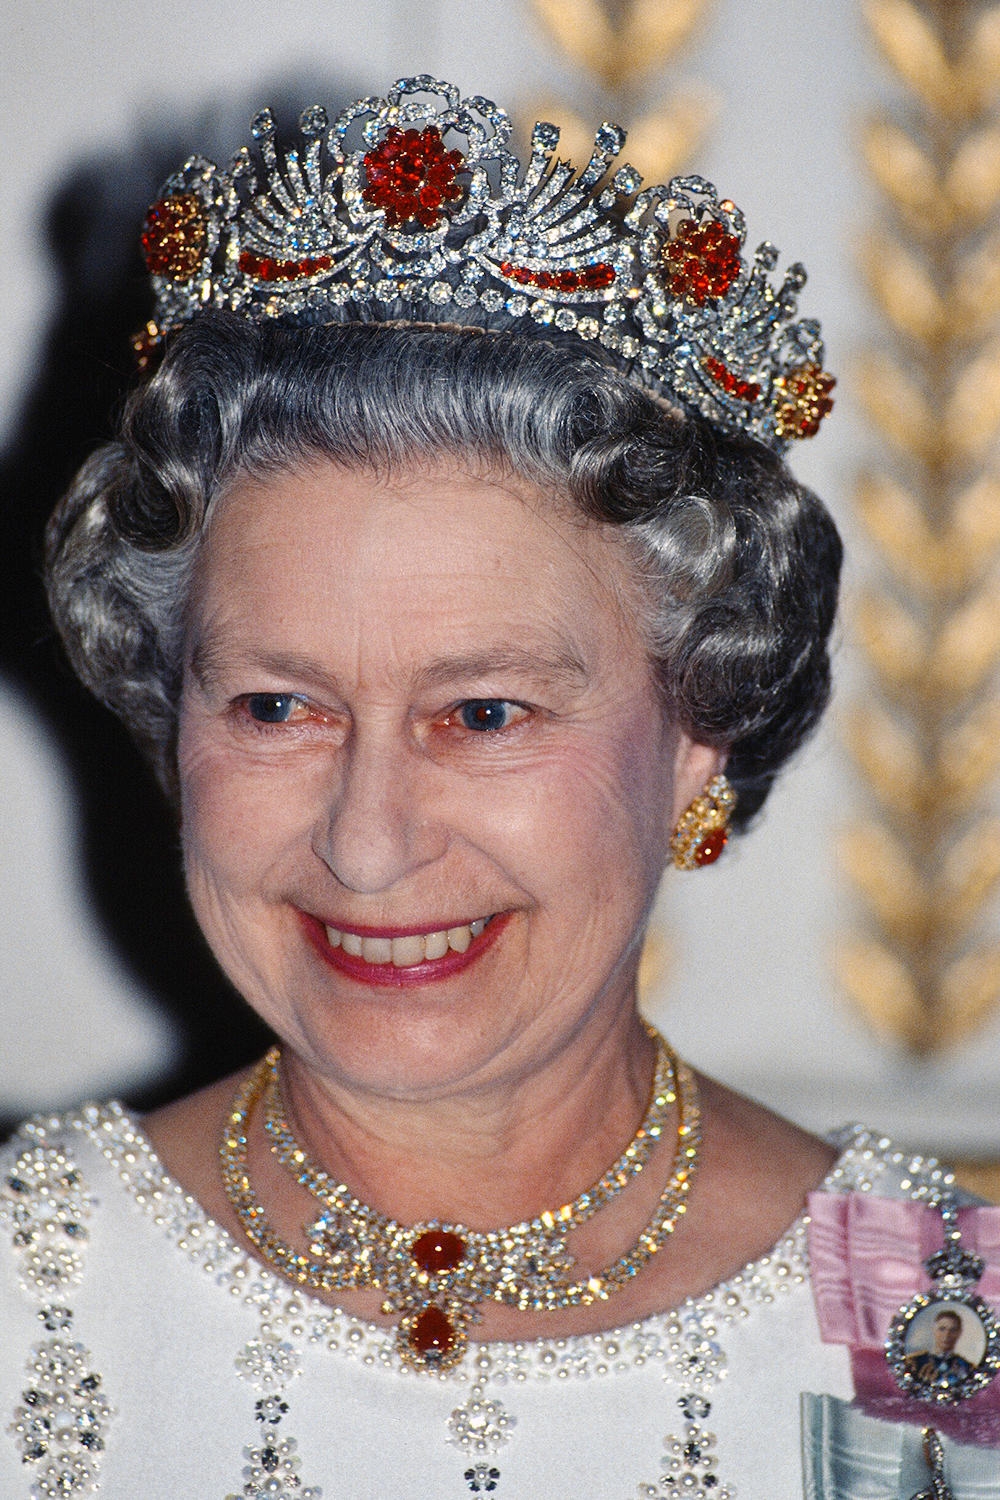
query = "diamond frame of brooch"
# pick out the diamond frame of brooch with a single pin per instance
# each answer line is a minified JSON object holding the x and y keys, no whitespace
{"x":955,"y":1272}
{"x":980,"y":1377}
{"x":291,"y":234}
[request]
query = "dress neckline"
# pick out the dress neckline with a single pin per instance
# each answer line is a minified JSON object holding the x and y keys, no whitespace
{"x":863,"y":1157}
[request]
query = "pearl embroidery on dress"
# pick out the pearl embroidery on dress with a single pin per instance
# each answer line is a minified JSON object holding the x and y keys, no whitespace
{"x":61,"y":1425}
{"x":269,"y":1363}
{"x":480,"y":1425}
{"x":683,"y":1343}
{"x":690,"y":1460}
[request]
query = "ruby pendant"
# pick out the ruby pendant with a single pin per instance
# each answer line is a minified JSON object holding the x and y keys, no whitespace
{"x":432,"y":1336}
{"x":438,"y":1250}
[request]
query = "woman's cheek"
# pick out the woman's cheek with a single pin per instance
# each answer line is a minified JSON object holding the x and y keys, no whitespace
{"x":235,"y":813}
{"x":592,"y":801}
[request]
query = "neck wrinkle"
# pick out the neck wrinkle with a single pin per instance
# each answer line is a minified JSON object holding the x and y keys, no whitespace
{"x":457,"y":1161}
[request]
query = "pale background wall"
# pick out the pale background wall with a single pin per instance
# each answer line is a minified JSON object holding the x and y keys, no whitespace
{"x":751,"y":997}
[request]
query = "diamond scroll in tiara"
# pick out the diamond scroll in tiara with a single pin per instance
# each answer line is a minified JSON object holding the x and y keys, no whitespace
{"x":413,"y":205}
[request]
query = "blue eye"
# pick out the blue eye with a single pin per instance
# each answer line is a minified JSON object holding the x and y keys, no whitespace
{"x":271,"y":708}
{"x":485,"y":713}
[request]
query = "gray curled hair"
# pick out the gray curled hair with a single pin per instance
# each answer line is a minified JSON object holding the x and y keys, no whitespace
{"x":741,"y":562}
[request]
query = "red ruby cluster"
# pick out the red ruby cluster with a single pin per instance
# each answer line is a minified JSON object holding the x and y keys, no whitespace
{"x":589,"y":279}
{"x":411,"y":176}
{"x":702,"y":261}
{"x":432,"y":1334}
{"x":743,"y":390}
{"x":283,"y":270}
{"x":438,"y":1250}
{"x":174,"y":235}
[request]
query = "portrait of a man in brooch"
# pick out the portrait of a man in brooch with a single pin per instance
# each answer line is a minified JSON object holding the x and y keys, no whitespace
{"x":936,"y":1364}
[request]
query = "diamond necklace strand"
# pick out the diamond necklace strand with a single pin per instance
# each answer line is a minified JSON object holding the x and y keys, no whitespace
{"x":435,"y":1275}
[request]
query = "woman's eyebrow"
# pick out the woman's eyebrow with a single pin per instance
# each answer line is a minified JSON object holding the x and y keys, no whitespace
{"x":563,"y":666}
{"x":212,"y":658}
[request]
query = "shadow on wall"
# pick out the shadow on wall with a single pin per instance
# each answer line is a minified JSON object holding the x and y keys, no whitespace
{"x":129,"y":843}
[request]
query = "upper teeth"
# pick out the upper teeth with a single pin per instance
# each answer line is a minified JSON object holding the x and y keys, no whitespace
{"x":404,"y":951}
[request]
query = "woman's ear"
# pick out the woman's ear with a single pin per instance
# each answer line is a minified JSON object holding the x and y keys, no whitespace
{"x":694,"y":767}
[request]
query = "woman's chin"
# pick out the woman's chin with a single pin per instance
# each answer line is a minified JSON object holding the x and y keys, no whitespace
{"x":406,"y":1054}
{"x":409,"y":1030}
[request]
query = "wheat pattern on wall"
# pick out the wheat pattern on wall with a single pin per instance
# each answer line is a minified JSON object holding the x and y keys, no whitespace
{"x":622,"y":47}
{"x":926,"y":740}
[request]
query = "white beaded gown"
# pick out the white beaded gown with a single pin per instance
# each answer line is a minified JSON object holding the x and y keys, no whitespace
{"x":145,"y":1356}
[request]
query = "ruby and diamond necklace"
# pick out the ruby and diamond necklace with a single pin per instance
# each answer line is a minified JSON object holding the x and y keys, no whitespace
{"x":435,"y":1276}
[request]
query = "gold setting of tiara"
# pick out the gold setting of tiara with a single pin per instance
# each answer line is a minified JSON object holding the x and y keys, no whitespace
{"x":414,"y":206}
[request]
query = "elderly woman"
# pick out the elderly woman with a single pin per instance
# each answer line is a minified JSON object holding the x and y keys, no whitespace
{"x":449,"y":572}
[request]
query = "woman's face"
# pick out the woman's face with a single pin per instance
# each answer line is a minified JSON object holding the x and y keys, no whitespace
{"x":412,"y":705}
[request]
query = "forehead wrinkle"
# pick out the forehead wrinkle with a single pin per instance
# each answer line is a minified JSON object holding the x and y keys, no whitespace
{"x":617,"y":574}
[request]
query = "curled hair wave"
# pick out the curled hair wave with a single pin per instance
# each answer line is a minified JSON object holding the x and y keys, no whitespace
{"x":740,"y":562}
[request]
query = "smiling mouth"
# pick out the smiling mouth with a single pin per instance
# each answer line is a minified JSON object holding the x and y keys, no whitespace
{"x":410,"y":950}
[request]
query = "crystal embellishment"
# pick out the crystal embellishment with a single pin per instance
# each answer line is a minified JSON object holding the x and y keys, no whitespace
{"x":61,"y":1423}
{"x":481,"y":1424}
{"x":382,"y":208}
{"x":272,"y":1473}
{"x":689,"y":1460}
{"x":269,"y":1363}
{"x":482,"y":1478}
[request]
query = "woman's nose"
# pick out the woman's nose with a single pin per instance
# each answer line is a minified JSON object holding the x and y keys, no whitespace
{"x":379,"y":826}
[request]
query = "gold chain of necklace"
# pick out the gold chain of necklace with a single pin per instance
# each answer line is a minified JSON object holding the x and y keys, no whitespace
{"x":435,"y":1275}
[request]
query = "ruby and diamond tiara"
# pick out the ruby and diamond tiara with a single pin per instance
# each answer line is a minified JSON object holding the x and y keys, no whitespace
{"x":381,"y":208}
